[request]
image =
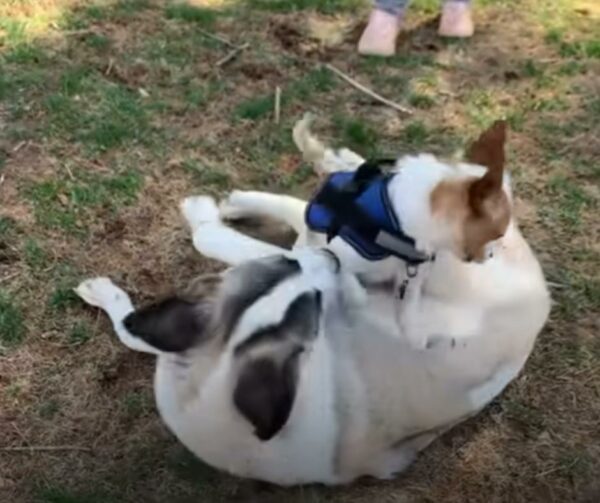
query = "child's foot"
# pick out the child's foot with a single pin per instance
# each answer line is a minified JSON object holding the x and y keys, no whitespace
{"x":457,"y":20}
{"x":379,"y":37}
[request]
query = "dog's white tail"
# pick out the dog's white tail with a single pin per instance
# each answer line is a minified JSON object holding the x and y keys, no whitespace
{"x":325,"y":160}
{"x":311,"y":147}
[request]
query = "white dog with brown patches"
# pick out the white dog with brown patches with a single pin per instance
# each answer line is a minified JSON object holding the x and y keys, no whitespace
{"x":287,"y":368}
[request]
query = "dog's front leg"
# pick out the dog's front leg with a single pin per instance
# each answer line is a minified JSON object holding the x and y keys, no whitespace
{"x":427,"y":322}
{"x":409,"y":313}
{"x":217,"y":241}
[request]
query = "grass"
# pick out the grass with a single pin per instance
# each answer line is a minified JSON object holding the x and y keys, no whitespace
{"x":99,"y":114}
{"x":12,"y":327}
{"x":207,"y":176}
{"x":80,"y":334}
{"x":63,"y":203}
{"x":117,"y":123}
{"x":572,"y":200}
{"x":357,"y":134}
{"x":259,"y":107}
{"x":191,"y":14}
{"x":323,"y":6}
{"x":35,"y":256}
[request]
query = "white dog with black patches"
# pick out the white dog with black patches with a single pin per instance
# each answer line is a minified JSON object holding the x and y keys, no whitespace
{"x":285,"y":368}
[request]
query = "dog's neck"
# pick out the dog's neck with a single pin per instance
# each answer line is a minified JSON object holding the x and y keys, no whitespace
{"x":410,"y":192}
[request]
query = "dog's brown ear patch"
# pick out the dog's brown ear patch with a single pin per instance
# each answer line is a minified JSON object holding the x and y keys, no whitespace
{"x":488,"y":151}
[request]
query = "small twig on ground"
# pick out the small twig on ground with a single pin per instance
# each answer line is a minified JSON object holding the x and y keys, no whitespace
{"x":69,"y":172}
{"x":45,"y":448}
{"x":368,"y":91}
{"x":19,"y":146}
{"x":2,"y":177}
{"x":10,"y":276}
{"x":218,"y":38}
{"x":232,"y":54}
{"x":277,"y":104}
{"x":111,"y":63}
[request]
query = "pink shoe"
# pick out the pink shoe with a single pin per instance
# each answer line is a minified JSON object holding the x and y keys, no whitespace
{"x":457,"y":20}
{"x":379,"y":37}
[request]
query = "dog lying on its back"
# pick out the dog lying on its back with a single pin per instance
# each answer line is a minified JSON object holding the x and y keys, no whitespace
{"x":278,"y":370}
{"x":285,"y":368}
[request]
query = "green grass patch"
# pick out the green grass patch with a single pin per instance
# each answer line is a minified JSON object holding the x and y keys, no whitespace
{"x":8,"y":228}
{"x":80,"y":333}
{"x":357,"y":134}
{"x":137,"y":403}
{"x":255,"y":108}
{"x":422,"y":101}
{"x":12,"y":327}
{"x":531,"y":419}
{"x":60,"y":203}
{"x":63,"y":297}
{"x":406,"y":61}
{"x":571,"y":201}
{"x":415,"y":134}
{"x":581,"y":294}
{"x":25,"y":54}
{"x":207,"y":176}
{"x":48,"y":409}
{"x":482,"y":109}
{"x":98,"y":42}
{"x":192,"y":14}
{"x":97,"y":113}
{"x":323,"y":6}
{"x":35,"y":256}
{"x":571,"y":46}
{"x":315,"y":82}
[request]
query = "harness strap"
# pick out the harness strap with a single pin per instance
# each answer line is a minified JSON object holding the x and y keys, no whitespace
{"x":345,"y":211}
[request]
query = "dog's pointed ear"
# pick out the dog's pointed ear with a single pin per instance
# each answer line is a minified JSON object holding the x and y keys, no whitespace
{"x":270,"y":361}
{"x":172,"y":325}
{"x":488,"y":151}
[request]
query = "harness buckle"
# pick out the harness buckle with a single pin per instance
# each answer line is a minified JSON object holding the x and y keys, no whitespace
{"x":412,"y":270}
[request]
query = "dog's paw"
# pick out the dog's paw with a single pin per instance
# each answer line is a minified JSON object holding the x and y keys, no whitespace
{"x":199,"y":210}
{"x":234,"y":206}
{"x":100,"y":292}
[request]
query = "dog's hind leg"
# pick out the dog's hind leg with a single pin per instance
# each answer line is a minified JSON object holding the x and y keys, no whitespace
{"x":215,"y":240}
{"x":247,"y":204}
{"x":103,"y":293}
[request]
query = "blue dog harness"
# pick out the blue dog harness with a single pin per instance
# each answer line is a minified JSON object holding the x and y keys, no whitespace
{"x":355,"y":206}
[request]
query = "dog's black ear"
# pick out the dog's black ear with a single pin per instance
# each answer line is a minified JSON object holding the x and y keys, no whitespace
{"x":270,"y":360}
{"x":265,"y":393}
{"x":172,"y":325}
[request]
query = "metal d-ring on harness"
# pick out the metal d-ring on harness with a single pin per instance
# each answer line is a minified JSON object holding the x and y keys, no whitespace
{"x":355,"y":207}
{"x":411,"y":272}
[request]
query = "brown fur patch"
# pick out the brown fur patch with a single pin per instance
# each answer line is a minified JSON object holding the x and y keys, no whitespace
{"x":473,"y":226}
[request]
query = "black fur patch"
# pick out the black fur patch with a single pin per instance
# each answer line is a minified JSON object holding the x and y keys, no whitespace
{"x":172,"y":325}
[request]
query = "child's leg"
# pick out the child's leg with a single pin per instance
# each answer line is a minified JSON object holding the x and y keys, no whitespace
{"x":379,"y":37}
{"x":457,"y":20}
